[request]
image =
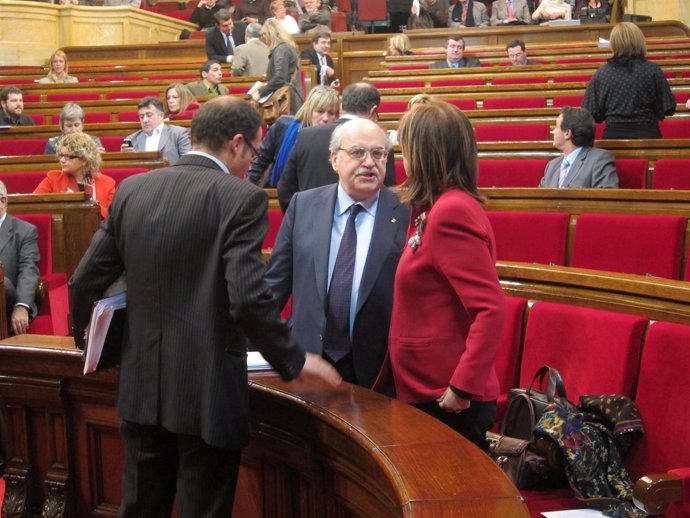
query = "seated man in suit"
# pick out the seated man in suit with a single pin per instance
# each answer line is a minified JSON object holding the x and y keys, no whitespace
{"x":513,"y":12}
{"x":19,"y":256}
{"x":222,"y":39}
{"x":308,"y":165}
{"x":343,"y":313}
{"x":581,"y":164}
{"x":155,"y":135}
{"x":468,"y":13}
{"x":517,"y":53}
{"x":314,"y":17}
{"x":455,"y":50}
{"x":251,"y":58}
{"x":12,"y":103}
{"x":211,"y":74}
{"x":320,"y":59}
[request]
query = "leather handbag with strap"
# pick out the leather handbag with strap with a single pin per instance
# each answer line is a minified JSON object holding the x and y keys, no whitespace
{"x":276,"y":105}
{"x":526,"y":405}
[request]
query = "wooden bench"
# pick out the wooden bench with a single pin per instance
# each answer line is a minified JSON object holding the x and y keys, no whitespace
{"x":342,"y":450}
{"x":148,"y":159}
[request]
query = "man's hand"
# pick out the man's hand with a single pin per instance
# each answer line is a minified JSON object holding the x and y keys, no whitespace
{"x":316,"y":367}
{"x":451,"y":402}
{"x":20,"y":320}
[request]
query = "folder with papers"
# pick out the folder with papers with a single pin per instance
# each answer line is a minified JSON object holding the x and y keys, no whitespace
{"x":104,"y":333}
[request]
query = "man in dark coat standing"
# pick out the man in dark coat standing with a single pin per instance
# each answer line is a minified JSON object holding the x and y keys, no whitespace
{"x":188,"y":238}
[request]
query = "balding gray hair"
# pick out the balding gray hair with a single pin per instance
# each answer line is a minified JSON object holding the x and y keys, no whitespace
{"x":253,"y":30}
{"x":353,"y":125}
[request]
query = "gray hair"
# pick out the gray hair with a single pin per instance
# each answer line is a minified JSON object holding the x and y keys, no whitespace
{"x":253,"y":30}
{"x":3,"y":189}
{"x":71,"y":112}
{"x":354,"y":125}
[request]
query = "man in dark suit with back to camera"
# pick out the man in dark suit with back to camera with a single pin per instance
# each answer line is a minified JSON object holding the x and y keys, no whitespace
{"x":19,"y":256}
{"x":581,"y":165}
{"x":188,"y":238}
{"x":306,"y":258}
{"x":309,"y":164}
{"x":222,"y":39}
{"x":455,"y":58}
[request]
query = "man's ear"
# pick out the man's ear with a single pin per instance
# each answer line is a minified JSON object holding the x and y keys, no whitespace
{"x":334,"y":160}
{"x":568,"y":134}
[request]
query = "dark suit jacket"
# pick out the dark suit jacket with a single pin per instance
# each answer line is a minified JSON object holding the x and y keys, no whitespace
{"x":310,"y":166}
{"x":313,"y":56}
{"x":463,"y":63}
{"x":215,"y":42}
{"x":299,"y":268}
{"x":593,"y":167}
{"x":19,"y":255}
{"x":22,"y":120}
{"x":188,"y":238}
{"x":268,"y":151}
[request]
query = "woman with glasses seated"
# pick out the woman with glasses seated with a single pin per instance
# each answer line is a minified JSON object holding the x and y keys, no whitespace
{"x":71,"y":121}
{"x":321,"y":107}
{"x":80,"y":164}
{"x":448,"y":306}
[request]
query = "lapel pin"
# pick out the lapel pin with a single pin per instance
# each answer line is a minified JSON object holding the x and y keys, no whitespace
{"x":393,"y":220}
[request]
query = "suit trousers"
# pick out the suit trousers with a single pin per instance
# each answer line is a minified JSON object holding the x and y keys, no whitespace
{"x":472,"y":423}
{"x":160,"y":463}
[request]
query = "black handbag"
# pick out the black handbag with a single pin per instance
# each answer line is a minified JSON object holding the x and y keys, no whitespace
{"x":526,"y":405}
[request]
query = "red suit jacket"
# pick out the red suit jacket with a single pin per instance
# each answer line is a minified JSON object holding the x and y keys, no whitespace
{"x":57,"y":181}
{"x":448,"y":306}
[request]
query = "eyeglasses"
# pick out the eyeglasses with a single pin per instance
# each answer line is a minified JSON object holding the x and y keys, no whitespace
{"x":253,"y":149}
{"x":360,"y":153}
{"x":68,"y":157}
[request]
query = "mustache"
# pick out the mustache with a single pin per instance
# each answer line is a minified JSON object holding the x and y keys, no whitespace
{"x":366,"y":170}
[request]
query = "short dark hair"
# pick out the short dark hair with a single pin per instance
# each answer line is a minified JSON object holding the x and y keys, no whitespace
{"x":457,"y":38}
{"x":223,"y":15}
{"x":206,"y":66}
{"x":151,"y":100}
{"x":581,"y":123}
{"x":516,"y":43}
{"x":221,"y":118}
{"x":7,"y":91}
{"x":360,"y":98}
{"x":320,"y":34}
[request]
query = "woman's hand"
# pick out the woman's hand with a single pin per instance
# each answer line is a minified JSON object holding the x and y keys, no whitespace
{"x":451,"y":402}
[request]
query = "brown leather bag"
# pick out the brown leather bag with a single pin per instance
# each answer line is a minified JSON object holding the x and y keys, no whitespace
{"x":276,"y":105}
{"x":519,"y":460}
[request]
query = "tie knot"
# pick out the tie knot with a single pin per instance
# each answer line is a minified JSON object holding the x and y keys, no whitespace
{"x":355,"y":209}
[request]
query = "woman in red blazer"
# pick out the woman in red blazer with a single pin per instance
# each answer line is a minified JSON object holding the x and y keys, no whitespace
{"x":80,"y":163}
{"x":448,"y":306}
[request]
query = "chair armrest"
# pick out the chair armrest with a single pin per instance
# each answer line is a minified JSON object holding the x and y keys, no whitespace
{"x":654,"y":493}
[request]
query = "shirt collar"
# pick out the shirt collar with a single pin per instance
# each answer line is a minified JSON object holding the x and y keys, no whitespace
{"x":220,"y":164}
{"x":570,"y":158}
{"x":157,"y":130}
{"x":343,"y":202}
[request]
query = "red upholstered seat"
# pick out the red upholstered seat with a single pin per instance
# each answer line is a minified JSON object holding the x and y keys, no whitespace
{"x":22,"y":147}
{"x":567,"y":100}
{"x":669,"y":74}
{"x":458,"y":82}
{"x":112,"y":143}
{"x":599,"y":130}
{"x":94,"y":117}
{"x":577,"y":78}
{"x":74,"y":96}
{"x":510,"y":173}
{"x":398,"y":84}
{"x":685,"y":74}
{"x":463,"y":104}
{"x":565,"y":61}
{"x":632,"y":173}
{"x":392,"y":107}
{"x":275,"y":218}
{"x":675,"y":128}
{"x":671,"y":173}
{"x":516,"y":80}
{"x":128,"y":116}
{"x":18,"y":81}
{"x":53,"y":311}
{"x":400,"y":173}
{"x":234,"y":90}
{"x":531,"y":237}
{"x":338,"y":21}
{"x":31,"y":98}
{"x":506,"y":132}
{"x":625,"y":243}
{"x":184,"y":77}
{"x":22,"y":182}
{"x":133,"y":94}
{"x":509,"y":103}
{"x":596,"y":351}
{"x":682,"y":97}
{"x":39,"y":119}
{"x":120,"y":173}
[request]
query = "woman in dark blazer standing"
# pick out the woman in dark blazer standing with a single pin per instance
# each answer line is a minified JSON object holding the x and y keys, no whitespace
{"x":448,"y":306}
{"x":283,"y":64}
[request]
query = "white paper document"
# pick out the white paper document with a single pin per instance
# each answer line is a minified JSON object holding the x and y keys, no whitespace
{"x":256,"y":362}
{"x":575,"y":513}
{"x":97,"y":330}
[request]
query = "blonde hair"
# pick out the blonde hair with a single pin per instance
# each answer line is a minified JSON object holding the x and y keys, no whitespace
{"x":83,"y":146}
{"x":627,"y":40}
{"x":319,"y":98}
{"x":51,"y":74}
{"x":440,"y":150}
{"x":185,"y":94}
{"x":401,"y":43}
{"x":273,"y":34}
{"x":419,"y":99}
{"x":275,"y":5}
